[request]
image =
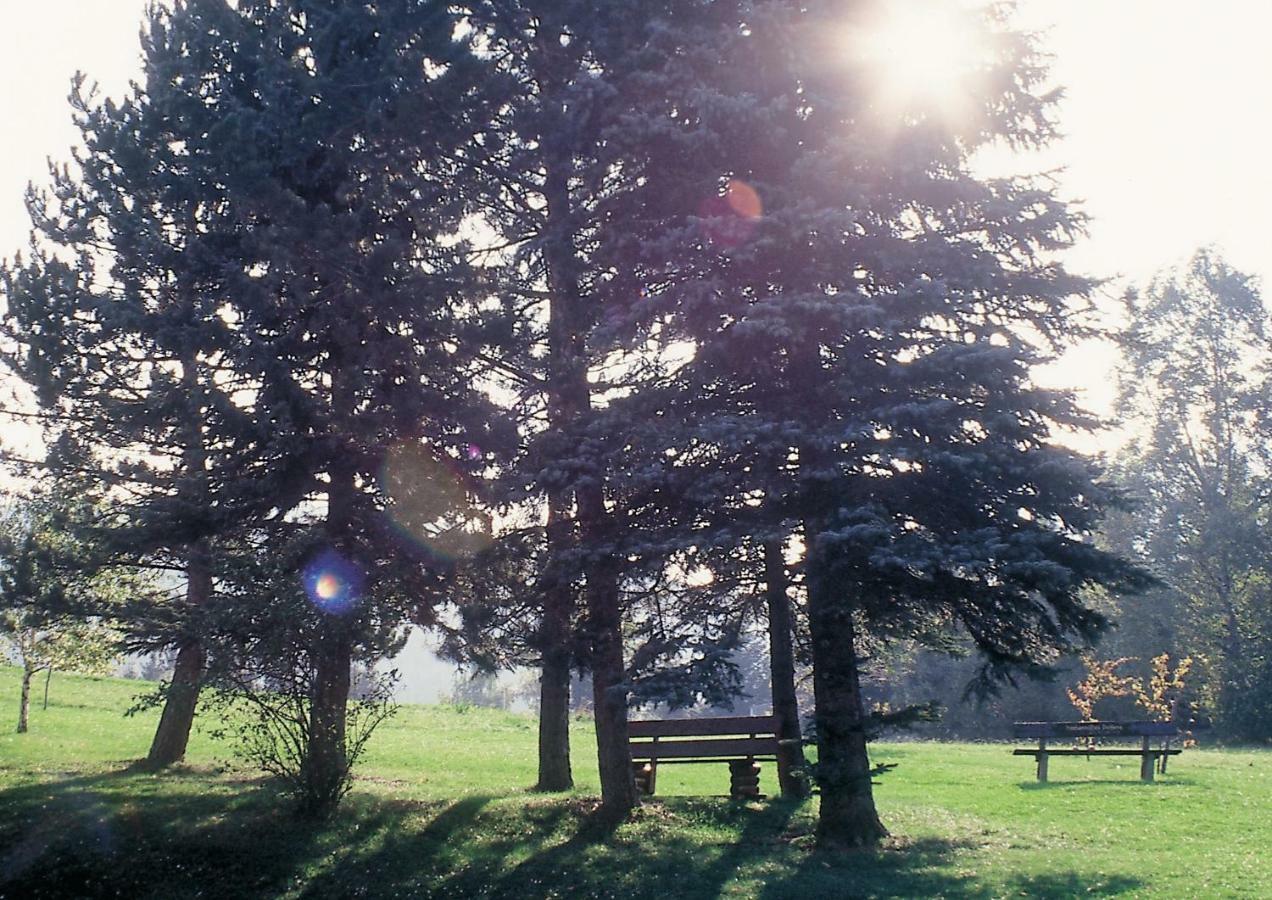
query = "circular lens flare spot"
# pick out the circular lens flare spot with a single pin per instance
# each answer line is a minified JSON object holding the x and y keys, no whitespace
{"x":333,"y":584}
{"x":730,"y":218}
{"x":430,"y":501}
{"x":328,"y":587}
{"x":743,"y":199}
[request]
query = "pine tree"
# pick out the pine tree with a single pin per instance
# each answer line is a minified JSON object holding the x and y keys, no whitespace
{"x":287,"y":309}
{"x":359,"y":360}
{"x":580,"y":175}
{"x":865,"y":315}
{"x":115,"y":325}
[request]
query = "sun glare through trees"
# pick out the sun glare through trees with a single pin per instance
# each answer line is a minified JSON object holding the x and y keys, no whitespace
{"x":923,"y":57}
{"x":693,"y":380}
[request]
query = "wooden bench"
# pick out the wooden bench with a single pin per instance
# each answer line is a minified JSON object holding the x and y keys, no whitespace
{"x":1145,"y":731}
{"x":741,"y":741}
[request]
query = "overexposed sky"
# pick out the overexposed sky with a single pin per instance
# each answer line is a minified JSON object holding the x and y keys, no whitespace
{"x":42,"y":44}
{"x":1166,"y":120}
{"x":1167,"y":126}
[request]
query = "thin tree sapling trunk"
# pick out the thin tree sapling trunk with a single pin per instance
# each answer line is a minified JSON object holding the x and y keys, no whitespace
{"x":24,"y":706}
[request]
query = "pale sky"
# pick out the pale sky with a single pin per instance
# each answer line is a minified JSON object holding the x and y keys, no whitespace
{"x":1166,"y":122}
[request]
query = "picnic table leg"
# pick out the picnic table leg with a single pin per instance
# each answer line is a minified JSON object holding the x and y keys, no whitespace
{"x":1041,"y":757}
{"x":1148,"y":761}
{"x":1161,"y":762}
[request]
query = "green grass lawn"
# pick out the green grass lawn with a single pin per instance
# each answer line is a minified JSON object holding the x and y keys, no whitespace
{"x":442,"y":809}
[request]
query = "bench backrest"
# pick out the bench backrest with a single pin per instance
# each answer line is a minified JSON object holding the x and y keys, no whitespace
{"x":716,"y":725}
{"x":1093,"y":729}
{"x":714,"y":738}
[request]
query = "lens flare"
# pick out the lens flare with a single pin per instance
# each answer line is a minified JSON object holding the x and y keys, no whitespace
{"x":334,"y":584}
{"x":328,"y":587}
{"x":729,"y":219}
{"x":430,"y":500}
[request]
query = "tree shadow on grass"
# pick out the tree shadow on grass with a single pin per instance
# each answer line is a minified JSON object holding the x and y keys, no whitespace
{"x":562,"y":847}
{"x":1162,"y":782}
{"x":1073,"y":884}
{"x":127,"y":833}
{"x":686,"y":847}
{"x":926,"y":868}
{"x":185,"y":833}
{"x":899,"y":868}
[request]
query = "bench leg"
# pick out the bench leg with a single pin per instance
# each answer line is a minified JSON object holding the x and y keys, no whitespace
{"x":1041,"y":756}
{"x":1148,"y":762}
{"x":644,"y":774}
{"x":744,"y":779}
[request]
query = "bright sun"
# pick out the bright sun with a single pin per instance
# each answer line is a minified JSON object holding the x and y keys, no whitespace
{"x":919,"y":54}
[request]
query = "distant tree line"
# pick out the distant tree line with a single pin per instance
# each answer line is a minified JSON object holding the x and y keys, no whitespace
{"x":594,"y":342}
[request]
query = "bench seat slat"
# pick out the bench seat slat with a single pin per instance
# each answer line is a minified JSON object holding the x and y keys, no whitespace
{"x":1098,"y":751}
{"x":717,"y":725}
{"x":1093,"y":729}
{"x":726,"y":748}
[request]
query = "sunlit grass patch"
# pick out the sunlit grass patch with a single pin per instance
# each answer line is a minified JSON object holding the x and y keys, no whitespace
{"x":443,"y":807}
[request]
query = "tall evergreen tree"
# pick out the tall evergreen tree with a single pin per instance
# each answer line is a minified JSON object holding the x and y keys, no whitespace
{"x":115,"y":324}
{"x":348,"y":282}
{"x":286,"y":304}
{"x":581,"y":174}
{"x":864,"y":336}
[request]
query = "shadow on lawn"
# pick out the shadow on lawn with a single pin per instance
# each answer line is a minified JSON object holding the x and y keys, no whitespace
{"x":926,"y":868}
{"x":1163,"y":782}
{"x":127,"y":833}
{"x":562,"y":848}
{"x":183,"y":833}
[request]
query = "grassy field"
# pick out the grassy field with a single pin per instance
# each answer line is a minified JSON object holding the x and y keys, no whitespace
{"x":442,"y":810}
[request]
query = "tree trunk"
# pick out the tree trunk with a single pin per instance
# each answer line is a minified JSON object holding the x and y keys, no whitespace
{"x":24,"y":705}
{"x":554,"y":680}
{"x":173,"y":734}
{"x":609,"y":693}
{"x":848,"y":817}
{"x":326,"y":766}
{"x":48,"y":677}
{"x":569,"y":404}
{"x":790,"y":756}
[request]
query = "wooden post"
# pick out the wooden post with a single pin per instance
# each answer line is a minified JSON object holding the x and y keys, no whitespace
{"x":1042,"y":759}
{"x":1161,"y":762}
{"x":644,"y":774}
{"x":1147,"y":761}
{"x":744,"y":779}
